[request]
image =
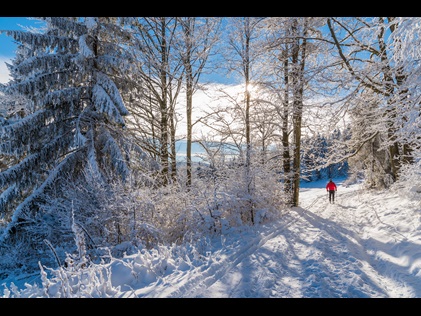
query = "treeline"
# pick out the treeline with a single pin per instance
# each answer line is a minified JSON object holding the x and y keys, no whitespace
{"x":95,"y":106}
{"x":314,"y":161}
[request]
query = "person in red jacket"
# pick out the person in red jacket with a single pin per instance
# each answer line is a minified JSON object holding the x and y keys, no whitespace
{"x":331,"y":188}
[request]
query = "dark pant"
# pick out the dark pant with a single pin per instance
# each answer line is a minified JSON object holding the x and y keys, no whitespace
{"x":331,"y":195}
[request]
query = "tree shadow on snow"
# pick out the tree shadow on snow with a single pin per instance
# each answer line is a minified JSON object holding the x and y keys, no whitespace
{"x":348,"y":252}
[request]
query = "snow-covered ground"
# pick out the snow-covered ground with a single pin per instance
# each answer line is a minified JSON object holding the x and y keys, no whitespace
{"x":366,"y":245}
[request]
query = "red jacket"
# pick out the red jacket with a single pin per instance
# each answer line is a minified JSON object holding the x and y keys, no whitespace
{"x":331,"y":186}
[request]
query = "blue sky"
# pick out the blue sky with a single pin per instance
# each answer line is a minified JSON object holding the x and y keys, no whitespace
{"x":7,"y":45}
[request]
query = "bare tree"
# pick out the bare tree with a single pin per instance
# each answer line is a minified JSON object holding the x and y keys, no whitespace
{"x":288,"y":44}
{"x":243,"y":42}
{"x":160,"y":70}
{"x":198,"y":37}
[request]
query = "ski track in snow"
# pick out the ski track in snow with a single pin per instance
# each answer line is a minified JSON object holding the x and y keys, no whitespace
{"x":340,"y":258}
{"x":192,"y":286}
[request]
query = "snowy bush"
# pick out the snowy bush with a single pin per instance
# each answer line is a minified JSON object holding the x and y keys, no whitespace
{"x":105,"y":280}
{"x":409,"y":183}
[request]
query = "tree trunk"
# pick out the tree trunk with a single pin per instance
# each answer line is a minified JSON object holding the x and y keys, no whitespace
{"x":286,"y":158}
{"x":189,"y":102}
{"x":164,"y":109}
{"x":298,"y":89}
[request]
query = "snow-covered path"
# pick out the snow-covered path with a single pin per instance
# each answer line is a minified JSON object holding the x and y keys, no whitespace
{"x":347,"y":249}
{"x":317,"y":253}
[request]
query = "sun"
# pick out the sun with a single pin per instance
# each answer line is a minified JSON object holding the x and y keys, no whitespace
{"x":250,"y":87}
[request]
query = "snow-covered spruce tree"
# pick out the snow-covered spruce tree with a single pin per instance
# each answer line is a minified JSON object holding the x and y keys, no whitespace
{"x":11,"y":108}
{"x":323,"y":157}
{"x":337,"y":141}
{"x":70,"y":75}
{"x":314,"y":151}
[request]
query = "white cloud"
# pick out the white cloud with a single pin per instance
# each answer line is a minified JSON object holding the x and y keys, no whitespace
{"x":4,"y":72}
{"x":204,"y":102}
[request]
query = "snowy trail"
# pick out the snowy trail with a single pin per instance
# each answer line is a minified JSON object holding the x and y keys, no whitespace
{"x":195,"y":282}
{"x":354,"y":219}
{"x":320,"y":250}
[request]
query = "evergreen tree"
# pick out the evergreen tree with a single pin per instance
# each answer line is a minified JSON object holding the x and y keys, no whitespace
{"x":69,"y":74}
{"x":336,"y":144}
